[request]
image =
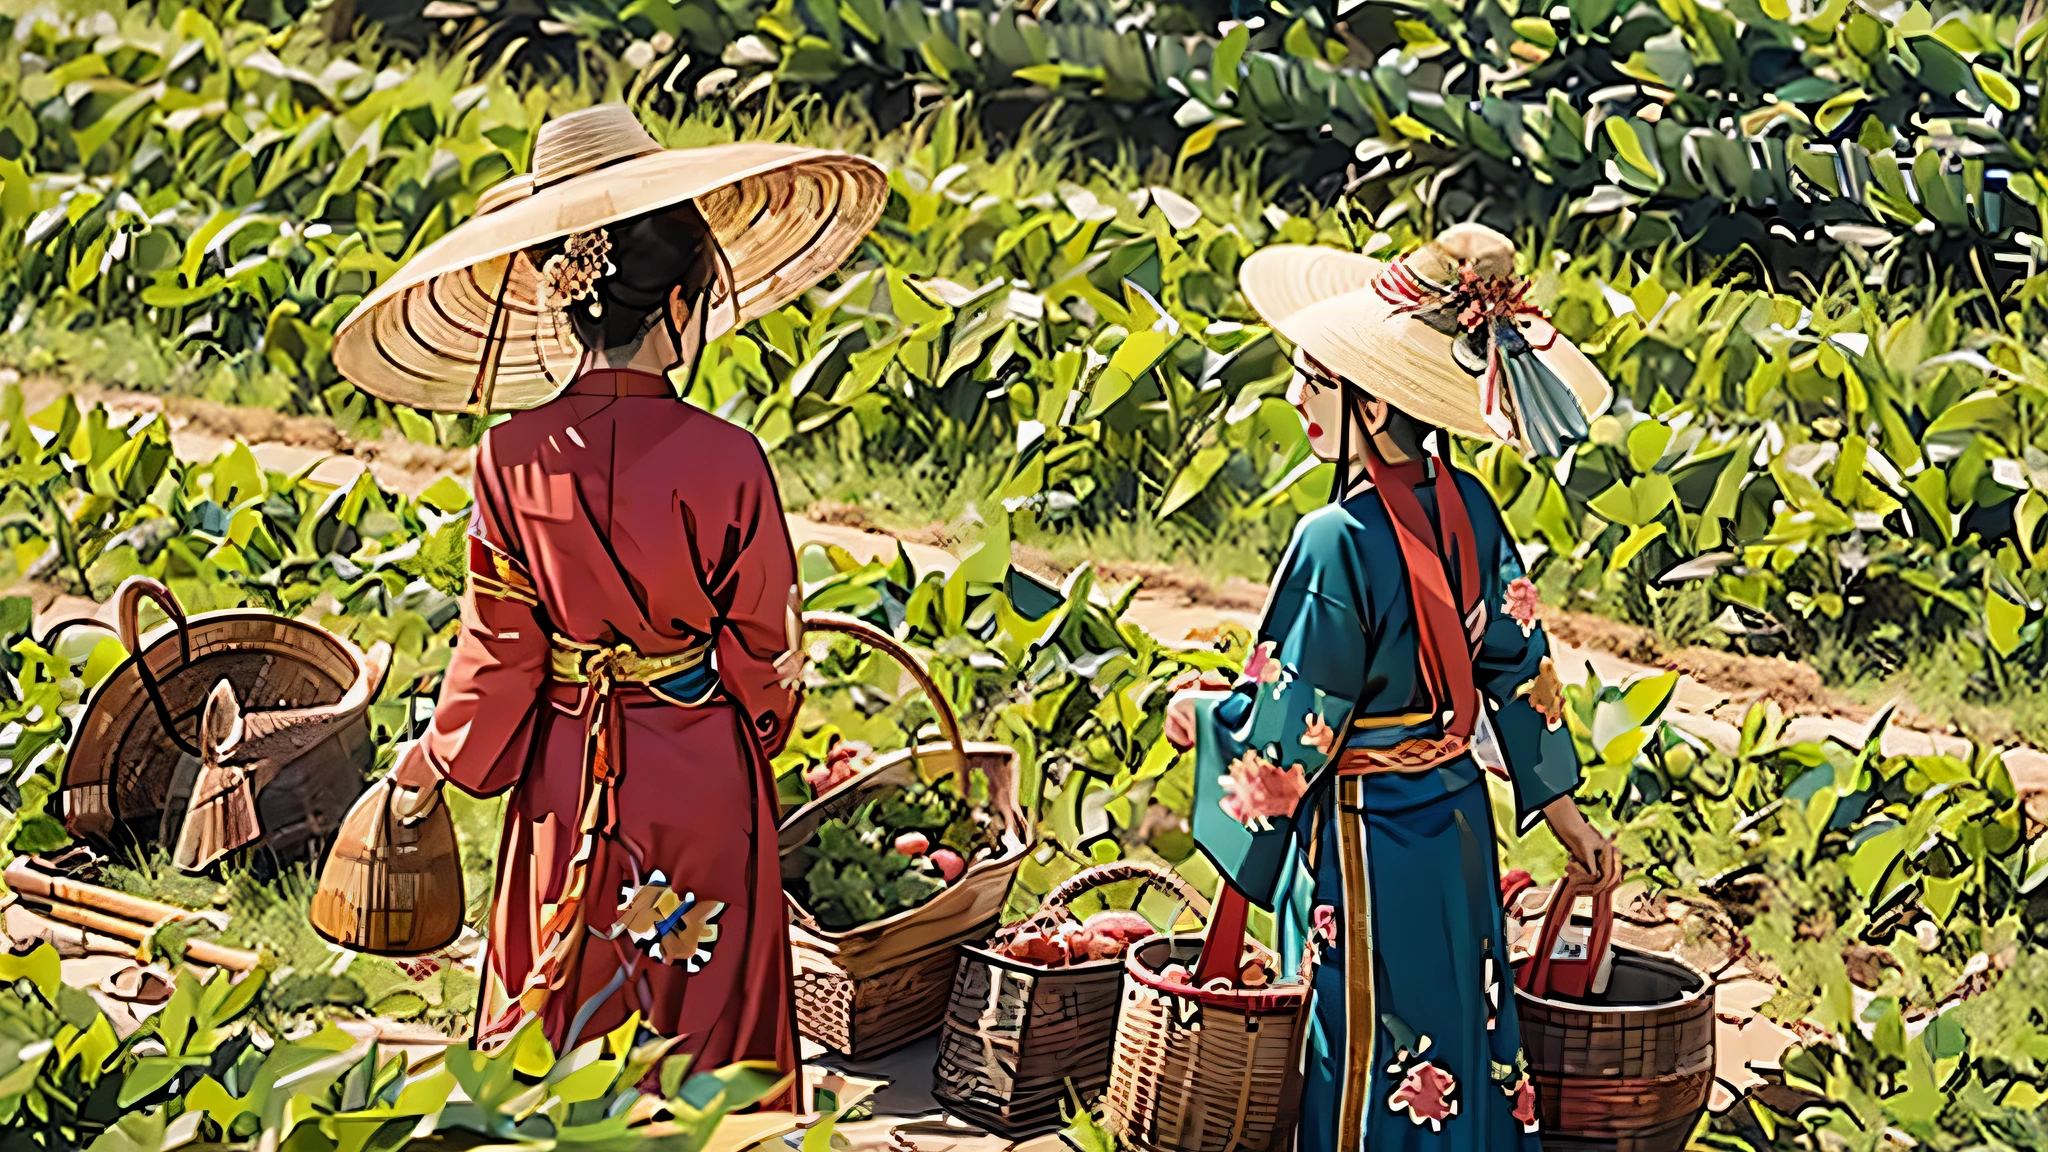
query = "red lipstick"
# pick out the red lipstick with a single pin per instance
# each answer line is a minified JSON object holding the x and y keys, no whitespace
{"x":1315,"y":430}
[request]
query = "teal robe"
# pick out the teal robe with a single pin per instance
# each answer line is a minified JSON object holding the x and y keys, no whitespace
{"x":1443,"y":1068}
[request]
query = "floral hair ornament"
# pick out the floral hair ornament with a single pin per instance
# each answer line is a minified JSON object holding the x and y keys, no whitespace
{"x":1485,"y":309}
{"x":571,"y":275}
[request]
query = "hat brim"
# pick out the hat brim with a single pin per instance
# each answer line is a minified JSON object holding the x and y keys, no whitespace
{"x":1322,"y":301}
{"x":784,"y":216}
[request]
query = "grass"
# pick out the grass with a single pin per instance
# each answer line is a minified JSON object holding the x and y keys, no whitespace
{"x":269,"y":914}
{"x":940,"y":503}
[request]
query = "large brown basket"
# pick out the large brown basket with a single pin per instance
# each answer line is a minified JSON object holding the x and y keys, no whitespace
{"x":1018,"y":1037}
{"x":131,"y":766}
{"x":1629,"y":1069}
{"x":1199,"y":1071}
{"x":882,"y":985}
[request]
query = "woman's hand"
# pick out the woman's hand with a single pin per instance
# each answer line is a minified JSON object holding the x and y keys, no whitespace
{"x":418,"y":785}
{"x":1180,"y":711}
{"x":1591,"y":852}
{"x":792,"y":667}
{"x":411,"y":769}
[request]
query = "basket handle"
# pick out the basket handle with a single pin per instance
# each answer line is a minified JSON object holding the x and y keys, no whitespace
{"x":889,"y":646}
{"x":128,"y":613}
{"x":1117,"y":871}
{"x":128,"y":610}
{"x":1538,"y":976}
{"x":1223,"y":947}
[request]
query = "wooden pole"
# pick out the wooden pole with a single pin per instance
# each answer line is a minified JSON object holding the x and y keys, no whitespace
{"x":29,"y":880}
{"x":116,"y":914}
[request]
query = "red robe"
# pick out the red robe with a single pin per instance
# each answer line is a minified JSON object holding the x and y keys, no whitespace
{"x":618,"y":513}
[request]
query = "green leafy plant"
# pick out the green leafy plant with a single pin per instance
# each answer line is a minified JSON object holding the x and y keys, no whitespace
{"x":861,"y":873}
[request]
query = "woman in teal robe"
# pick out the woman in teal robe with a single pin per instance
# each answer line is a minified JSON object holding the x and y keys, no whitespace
{"x":1336,"y":785}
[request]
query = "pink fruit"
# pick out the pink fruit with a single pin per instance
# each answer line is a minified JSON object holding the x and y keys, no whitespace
{"x":951,"y":866}
{"x":1124,"y":927}
{"x":825,"y":777}
{"x":913,"y":844}
{"x":1035,"y":947}
{"x":1084,"y":945}
{"x":1177,"y":976}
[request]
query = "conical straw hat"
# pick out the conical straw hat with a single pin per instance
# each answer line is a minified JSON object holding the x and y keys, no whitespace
{"x":1328,"y":303}
{"x":784,"y":216}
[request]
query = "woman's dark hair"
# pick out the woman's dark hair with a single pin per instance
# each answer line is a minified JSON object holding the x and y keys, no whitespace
{"x":651,"y":256}
{"x":1409,"y":434}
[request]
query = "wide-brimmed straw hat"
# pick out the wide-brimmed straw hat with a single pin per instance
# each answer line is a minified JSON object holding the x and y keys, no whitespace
{"x":462,"y":327}
{"x":1445,"y":334}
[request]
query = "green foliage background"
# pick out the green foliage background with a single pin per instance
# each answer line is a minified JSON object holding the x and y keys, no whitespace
{"x":1800,"y":238}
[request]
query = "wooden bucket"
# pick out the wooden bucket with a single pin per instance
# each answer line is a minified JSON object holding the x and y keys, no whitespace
{"x":1017,"y":1035}
{"x":129,"y":772}
{"x":880,"y":986}
{"x":1198,"y":1071}
{"x":1629,"y":1068}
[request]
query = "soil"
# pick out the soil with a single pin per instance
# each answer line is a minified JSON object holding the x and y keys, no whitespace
{"x":1796,"y":687}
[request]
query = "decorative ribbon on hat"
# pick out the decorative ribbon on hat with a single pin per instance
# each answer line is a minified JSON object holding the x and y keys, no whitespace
{"x":1520,"y":398}
{"x":572,"y":274}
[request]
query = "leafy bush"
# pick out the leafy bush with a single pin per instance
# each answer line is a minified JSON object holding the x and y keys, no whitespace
{"x":196,"y":1071}
{"x":1799,"y":132}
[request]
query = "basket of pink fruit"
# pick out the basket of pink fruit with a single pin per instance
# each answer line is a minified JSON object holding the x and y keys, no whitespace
{"x":892,"y":867}
{"x":1208,"y":1042}
{"x":1035,"y":1009}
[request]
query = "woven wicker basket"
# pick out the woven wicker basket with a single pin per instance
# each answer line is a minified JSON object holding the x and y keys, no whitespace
{"x":1199,"y":1071}
{"x":1017,"y":1035}
{"x":1629,"y":1068}
{"x":882,"y":985}
{"x":130,"y":769}
{"x":391,"y":886}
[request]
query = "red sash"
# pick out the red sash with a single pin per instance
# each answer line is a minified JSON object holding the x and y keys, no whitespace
{"x":1440,"y":610}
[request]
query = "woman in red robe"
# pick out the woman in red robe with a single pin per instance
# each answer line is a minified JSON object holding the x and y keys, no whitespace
{"x":631,"y":647}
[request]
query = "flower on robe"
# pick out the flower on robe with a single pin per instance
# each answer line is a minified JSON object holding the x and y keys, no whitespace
{"x":1523,"y":1093}
{"x":1256,"y":791}
{"x":1427,"y":1093}
{"x":1522,"y":603}
{"x":1260,"y":667}
{"x":1546,"y":695}
{"x":1326,"y":922}
{"x":670,"y":926}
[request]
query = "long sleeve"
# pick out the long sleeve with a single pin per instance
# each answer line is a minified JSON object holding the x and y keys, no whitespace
{"x":1297,"y":712}
{"x":760,"y":605}
{"x":483,"y":725}
{"x":1542,"y":762}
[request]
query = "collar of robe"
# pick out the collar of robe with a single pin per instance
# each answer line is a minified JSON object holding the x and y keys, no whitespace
{"x":620,"y":382}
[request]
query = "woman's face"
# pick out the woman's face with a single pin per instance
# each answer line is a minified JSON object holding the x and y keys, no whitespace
{"x":1317,"y":396}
